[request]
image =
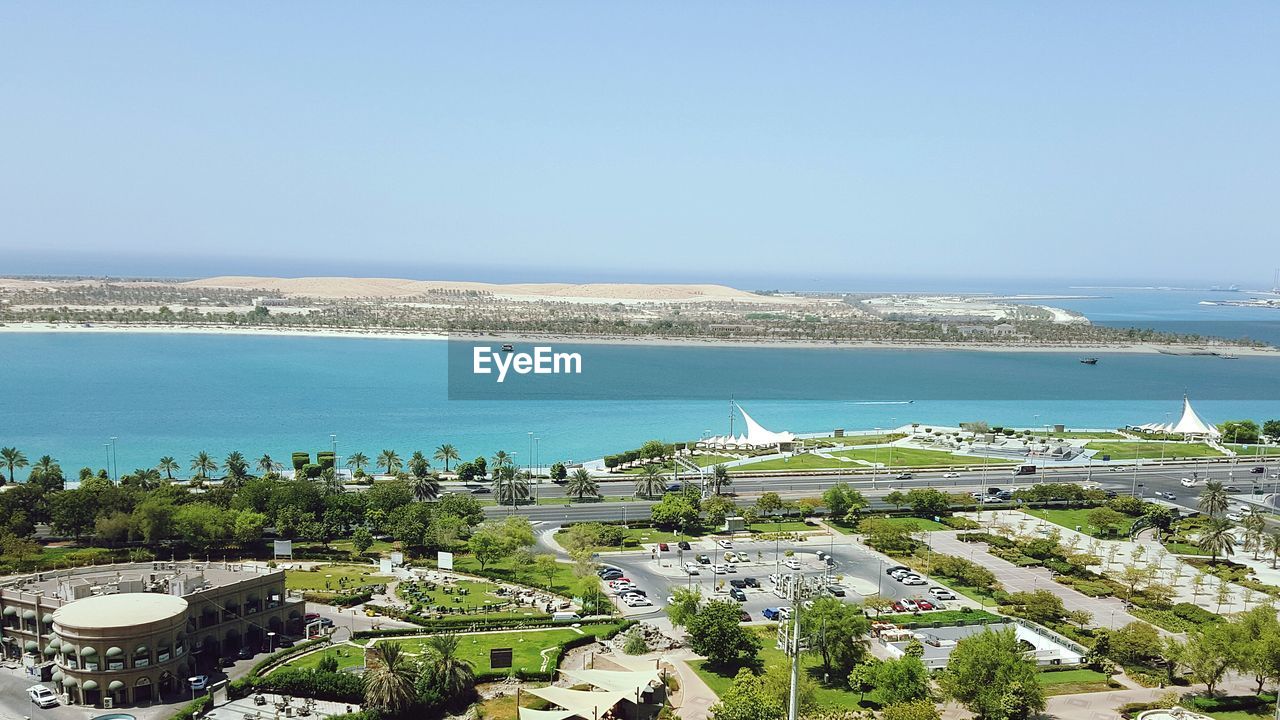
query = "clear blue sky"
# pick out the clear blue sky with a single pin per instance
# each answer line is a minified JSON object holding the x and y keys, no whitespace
{"x":744,"y":142}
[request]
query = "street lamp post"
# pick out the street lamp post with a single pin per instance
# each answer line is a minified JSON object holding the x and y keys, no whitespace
{"x":115,"y":462}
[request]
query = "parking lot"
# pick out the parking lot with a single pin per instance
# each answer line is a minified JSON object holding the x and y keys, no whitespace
{"x":858,"y":571}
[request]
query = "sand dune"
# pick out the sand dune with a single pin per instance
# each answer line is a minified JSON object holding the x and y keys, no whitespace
{"x":344,"y":287}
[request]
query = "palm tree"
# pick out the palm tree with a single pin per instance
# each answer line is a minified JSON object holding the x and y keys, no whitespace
{"x":267,"y":465}
{"x":446,"y":453}
{"x":581,"y":484}
{"x":418,"y":464}
{"x":425,"y":487}
{"x":237,"y":467}
{"x":1254,"y":530}
{"x":390,"y":460}
{"x":501,"y":458}
{"x":1271,"y":544}
{"x":330,"y":481}
{"x":1213,"y":501}
{"x":509,"y":486}
{"x":389,"y":679}
{"x":650,"y":483}
{"x":720,"y":478}
{"x":12,"y":458}
{"x":452,"y":677}
{"x":1216,"y":538}
{"x":357,"y":461}
{"x":145,"y":478}
{"x":167,"y":466}
{"x":203,"y":464}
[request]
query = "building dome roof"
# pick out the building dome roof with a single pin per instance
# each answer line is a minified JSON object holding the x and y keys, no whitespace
{"x":119,"y":611}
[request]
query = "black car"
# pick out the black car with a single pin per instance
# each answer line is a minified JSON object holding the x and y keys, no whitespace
{"x":481,"y":491}
{"x":683,"y":544}
{"x":704,"y":559}
{"x":835,"y":590}
{"x":751,"y":582}
{"x":245,"y":653}
{"x":1258,"y":470}
{"x":737,"y":594}
{"x":738,"y":583}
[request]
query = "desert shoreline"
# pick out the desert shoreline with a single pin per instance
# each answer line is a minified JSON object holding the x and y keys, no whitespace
{"x":1204,"y":349}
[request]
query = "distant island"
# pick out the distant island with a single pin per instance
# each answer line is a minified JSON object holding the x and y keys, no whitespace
{"x":593,"y":311}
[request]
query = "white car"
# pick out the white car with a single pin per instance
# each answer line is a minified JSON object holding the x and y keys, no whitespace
{"x":950,"y":474}
{"x":784,"y":612}
{"x":42,"y":696}
{"x":909,"y":605}
{"x":1235,"y":516}
{"x":199,"y":682}
{"x":792,"y":563}
{"x":743,"y":557}
{"x":913,"y":580}
{"x":691,"y":568}
{"x":942,"y":593}
{"x":636,"y":601}
{"x":1188,"y":482}
{"x":726,"y":544}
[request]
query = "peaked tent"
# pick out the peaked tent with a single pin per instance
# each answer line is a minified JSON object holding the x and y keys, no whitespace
{"x":1191,"y":424}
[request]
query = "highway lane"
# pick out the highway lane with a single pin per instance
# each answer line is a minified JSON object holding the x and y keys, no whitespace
{"x":1142,"y":480}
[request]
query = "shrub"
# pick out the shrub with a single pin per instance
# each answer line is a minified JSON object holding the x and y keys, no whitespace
{"x":196,"y":707}
{"x":960,"y":523}
{"x":335,"y":686}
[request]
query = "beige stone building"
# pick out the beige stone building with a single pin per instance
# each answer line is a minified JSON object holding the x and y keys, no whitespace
{"x":133,"y":633}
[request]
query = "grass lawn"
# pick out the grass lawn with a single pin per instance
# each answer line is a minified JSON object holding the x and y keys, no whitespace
{"x":719,"y":679}
{"x":1067,"y":682}
{"x":1129,"y":449}
{"x":526,"y":648}
{"x":1088,"y":435}
{"x":1080,"y":516}
{"x":699,"y":460}
{"x":909,"y":457}
{"x":852,"y":440}
{"x":945,"y":617}
{"x":1248,"y":451}
{"x":784,"y":526}
{"x":478,"y":599}
{"x":1179,"y":548}
{"x":916,"y":524}
{"x":511,"y":570}
{"x":333,"y":578}
{"x":803,"y":461}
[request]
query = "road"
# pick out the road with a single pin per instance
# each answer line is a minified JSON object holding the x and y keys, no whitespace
{"x":1143,"y":480}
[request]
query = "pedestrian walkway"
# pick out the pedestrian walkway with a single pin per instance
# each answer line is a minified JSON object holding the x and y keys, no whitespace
{"x":1107,"y":612}
{"x":695,"y":698}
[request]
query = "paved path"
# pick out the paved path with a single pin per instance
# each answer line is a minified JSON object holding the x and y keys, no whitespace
{"x":1107,"y":612}
{"x":695,"y":696}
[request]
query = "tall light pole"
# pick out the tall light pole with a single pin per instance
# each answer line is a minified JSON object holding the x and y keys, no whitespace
{"x":106,"y":448}
{"x":333,"y":447}
{"x":115,"y":463}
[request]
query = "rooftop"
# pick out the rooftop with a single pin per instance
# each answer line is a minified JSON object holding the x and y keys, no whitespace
{"x":119,"y":611}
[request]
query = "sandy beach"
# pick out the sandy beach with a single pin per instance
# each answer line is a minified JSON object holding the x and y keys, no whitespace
{"x":378,"y":334}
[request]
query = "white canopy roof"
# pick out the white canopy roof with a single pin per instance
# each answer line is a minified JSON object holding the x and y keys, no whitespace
{"x":1191,"y":424}
{"x":527,"y":714}
{"x":757,"y":435}
{"x":629,"y":682}
{"x":582,"y":703}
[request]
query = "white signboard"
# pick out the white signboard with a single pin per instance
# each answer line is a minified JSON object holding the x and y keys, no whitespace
{"x":284,"y":548}
{"x":384,"y":566}
{"x":397,"y":558}
{"x":444,"y":560}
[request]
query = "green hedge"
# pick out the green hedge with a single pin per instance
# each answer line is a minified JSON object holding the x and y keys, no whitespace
{"x":196,"y":707}
{"x":310,"y":683}
{"x":430,"y":625}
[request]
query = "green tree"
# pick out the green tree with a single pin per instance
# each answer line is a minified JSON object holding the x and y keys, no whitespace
{"x":546,"y":566}
{"x":897,"y":499}
{"x":717,"y":508}
{"x":988,"y":673}
{"x":237,"y":466}
{"x":446,"y":675}
{"x":676,"y":511}
{"x":419,"y":467}
{"x":357,"y":462}
{"x":842,"y":500}
{"x":168,"y":466}
{"x":1136,"y":642}
{"x":720,"y":478}
{"x":683,"y":606}
{"x":1209,"y":652}
{"x":582,"y":485}
{"x":203,"y":465}
{"x":1255,"y":528}
{"x":1258,"y":652}
{"x":928,"y":502}
{"x":914,"y":710}
{"x":835,"y":630}
{"x":1217,"y":537}
{"x":1041,"y":606}
{"x":768,"y":504}
{"x":635,"y":643}
{"x":446,"y":453}
{"x":248,"y":526}
{"x":748,"y":699}
{"x":903,"y":680}
{"x":559,"y":471}
{"x":1272,"y":429}
{"x":1240,"y":431}
{"x":12,"y":458}
{"x":650,"y":484}
{"x":425,"y":487}
{"x":1106,"y":520}
{"x":717,"y":634}
{"x":361,"y":540}
{"x":390,"y":461}
{"x":1214,"y":500}
{"x":509,"y":487}
{"x":1271,"y":544}
{"x":389,"y":679}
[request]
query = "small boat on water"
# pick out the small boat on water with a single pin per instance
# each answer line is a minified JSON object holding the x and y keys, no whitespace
{"x":1089,"y":361}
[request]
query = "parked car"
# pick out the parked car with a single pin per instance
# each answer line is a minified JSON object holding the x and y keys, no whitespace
{"x":899,"y":573}
{"x":743,"y":557}
{"x":199,"y":682}
{"x":792,"y":563}
{"x":663,"y":547}
{"x":744,"y":616}
{"x":245,"y":653}
{"x":704,"y":559}
{"x":751,"y":582}
{"x":1235,"y":516}
{"x":691,"y":568}
{"x":42,"y":696}
{"x":784,"y":612}
{"x":913,"y":580}
{"x":724,"y":544}
{"x":771,"y":613}
{"x":942,"y":593}
{"x":611,"y":575}
{"x":738,"y":582}
{"x":893,"y":569}
{"x":737,"y":594}
{"x":683,"y":544}
{"x":835,"y":590}
{"x":909,"y":605}
{"x":636,"y":601}
{"x":924,"y":605}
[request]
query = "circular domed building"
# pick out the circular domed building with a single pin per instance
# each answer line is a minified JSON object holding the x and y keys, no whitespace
{"x":129,"y":647}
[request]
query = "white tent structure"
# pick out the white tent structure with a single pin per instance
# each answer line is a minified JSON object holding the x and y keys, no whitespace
{"x":1189,"y":425}
{"x":613,"y":686}
{"x":757,"y":436}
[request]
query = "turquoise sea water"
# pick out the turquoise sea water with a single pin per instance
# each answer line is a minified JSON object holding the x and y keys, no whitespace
{"x":67,"y":394}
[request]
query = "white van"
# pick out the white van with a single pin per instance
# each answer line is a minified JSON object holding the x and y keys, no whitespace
{"x":564,"y":616}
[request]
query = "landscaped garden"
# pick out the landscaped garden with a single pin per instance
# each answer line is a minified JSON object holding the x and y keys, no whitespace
{"x":326,"y":582}
{"x":1131,"y":449}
